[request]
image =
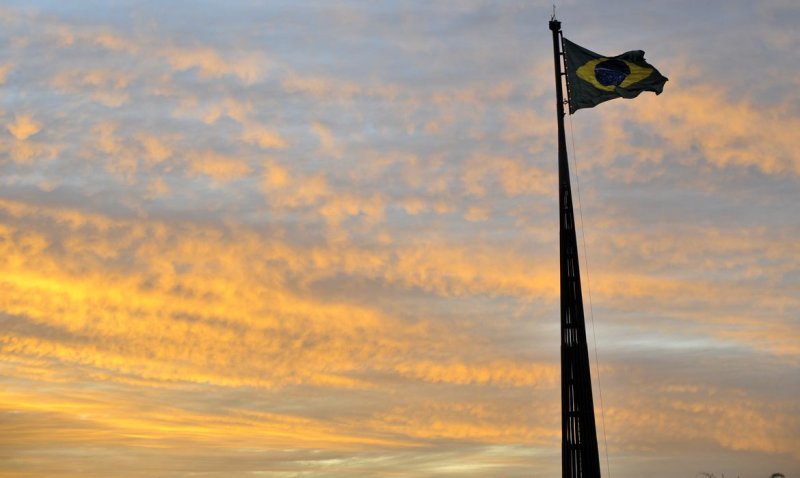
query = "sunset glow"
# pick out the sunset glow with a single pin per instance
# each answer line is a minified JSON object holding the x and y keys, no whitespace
{"x":320,"y":239}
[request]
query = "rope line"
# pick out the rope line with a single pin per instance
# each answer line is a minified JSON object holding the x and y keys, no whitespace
{"x":589,"y":294}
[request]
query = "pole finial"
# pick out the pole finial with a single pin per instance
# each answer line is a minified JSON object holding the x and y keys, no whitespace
{"x":555,"y":25}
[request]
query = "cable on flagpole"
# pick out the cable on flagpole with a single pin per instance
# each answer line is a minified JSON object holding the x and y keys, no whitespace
{"x":589,"y":293}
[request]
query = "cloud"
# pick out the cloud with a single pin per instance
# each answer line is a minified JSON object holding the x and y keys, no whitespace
{"x":4,"y":70}
{"x":511,"y":175}
{"x":339,"y":256}
{"x":284,"y":189}
{"x":320,"y":87}
{"x":28,"y":151}
{"x":23,"y":127}
{"x":481,"y":422}
{"x":338,"y":207}
{"x":119,"y":156}
{"x":108,"y":87}
{"x":327,"y":141}
{"x":157,"y":188}
{"x":734,"y":421}
{"x":498,"y":373}
{"x":477,"y":214}
{"x":202,"y":298}
{"x":414,"y":205}
{"x":249,"y":68}
{"x":262,"y":136}
{"x":703,"y":124}
{"x":112,"y":42}
{"x":156,"y":149}
{"x":217,"y":166}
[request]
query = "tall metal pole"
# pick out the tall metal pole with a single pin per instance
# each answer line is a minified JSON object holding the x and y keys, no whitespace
{"x":579,"y":455}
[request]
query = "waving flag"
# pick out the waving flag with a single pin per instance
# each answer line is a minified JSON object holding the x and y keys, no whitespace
{"x":594,"y":78}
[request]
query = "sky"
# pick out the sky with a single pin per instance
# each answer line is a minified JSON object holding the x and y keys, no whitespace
{"x":320,"y":239}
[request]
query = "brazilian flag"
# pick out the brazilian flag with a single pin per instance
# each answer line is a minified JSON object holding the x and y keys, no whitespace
{"x":594,"y":78}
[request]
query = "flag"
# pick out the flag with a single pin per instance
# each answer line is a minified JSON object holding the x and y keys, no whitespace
{"x":593,"y":79}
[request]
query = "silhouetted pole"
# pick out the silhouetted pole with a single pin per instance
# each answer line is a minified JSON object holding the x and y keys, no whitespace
{"x":579,"y":456}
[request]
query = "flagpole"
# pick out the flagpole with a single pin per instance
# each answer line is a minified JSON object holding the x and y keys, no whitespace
{"x":579,"y":454}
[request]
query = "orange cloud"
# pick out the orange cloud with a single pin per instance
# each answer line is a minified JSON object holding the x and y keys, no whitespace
{"x":503,"y":373}
{"x":513,"y":177}
{"x":491,"y":422}
{"x":156,"y":149}
{"x":210,"y":63}
{"x":706,"y":123}
{"x":246,"y":327}
{"x":263,"y":137}
{"x":730,"y":419}
{"x":477,"y":214}
{"x":23,"y":127}
{"x":28,"y":151}
{"x":284,"y":189}
{"x":112,"y":42}
{"x":342,"y":205}
{"x":103,"y":85}
{"x":328,"y":143}
{"x":4,"y":69}
{"x":217,"y":166}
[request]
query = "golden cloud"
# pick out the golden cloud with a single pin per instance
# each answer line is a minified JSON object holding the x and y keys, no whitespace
{"x":217,"y":166}
{"x":161,"y":303}
{"x":23,"y":127}
{"x":263,"y":137}
{"x":706,"y":121}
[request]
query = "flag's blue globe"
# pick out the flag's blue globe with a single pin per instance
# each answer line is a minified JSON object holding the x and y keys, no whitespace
{"x":611,"y":72}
